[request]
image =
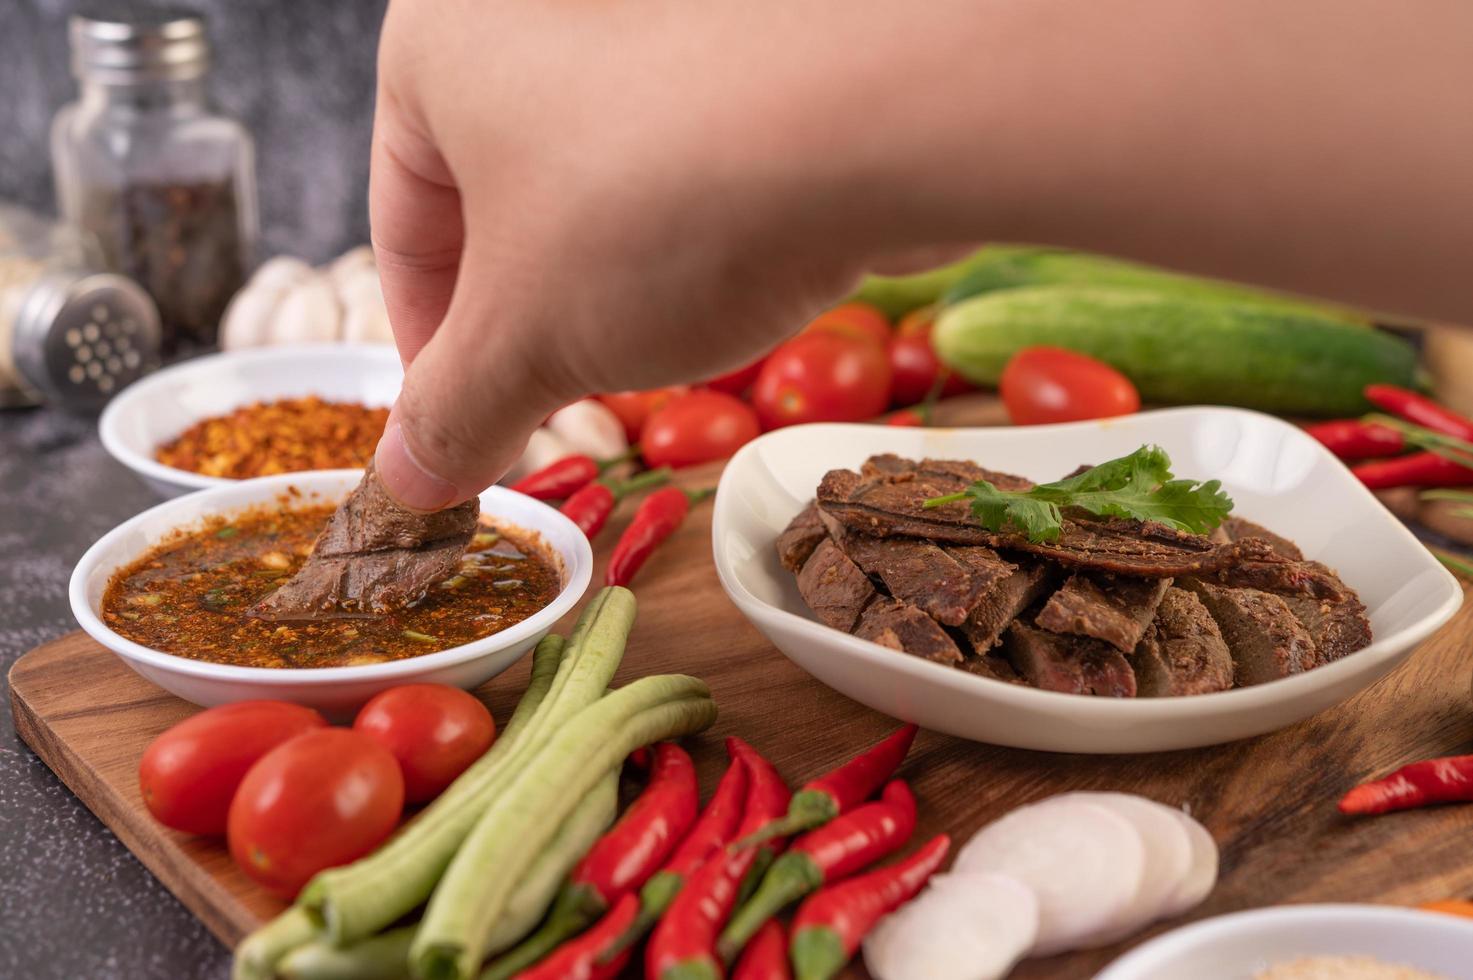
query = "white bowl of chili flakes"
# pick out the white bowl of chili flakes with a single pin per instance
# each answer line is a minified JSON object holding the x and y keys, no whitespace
{"x":243,"y":414}
{"x":336,"y":690}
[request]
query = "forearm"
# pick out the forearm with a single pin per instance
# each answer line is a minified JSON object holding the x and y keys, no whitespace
{"x":1322,"y":145}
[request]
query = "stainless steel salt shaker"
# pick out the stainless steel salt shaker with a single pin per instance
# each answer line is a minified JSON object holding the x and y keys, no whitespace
{"x":70,"y":336}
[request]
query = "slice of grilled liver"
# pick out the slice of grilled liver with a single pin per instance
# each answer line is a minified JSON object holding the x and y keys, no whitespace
{"x":886,"y":507}
{"x":1183,"y":651}
{"x":1338,"y":627}
{"x":374,"y":555}
{"x":799,"y":538}
{"x":901,"y":626}
{"x":1113,"y":608}
{"x":1071,"y":664}
{"x":834,"y":587}
{"x":1015,"y":586}
{"x":1267,"y":642}
{"x":1238,"y":528}
{"x":915,"y":571}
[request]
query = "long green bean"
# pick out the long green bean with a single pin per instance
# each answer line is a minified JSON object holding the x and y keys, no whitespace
{"x":360,"y":899}
{"x":257,"y":954}
{"x":381,"y":957}
{"x":473,"y":893}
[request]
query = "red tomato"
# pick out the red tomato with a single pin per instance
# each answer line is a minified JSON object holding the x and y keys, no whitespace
{"x":738,"y":381}
{"x":915,"y":363}
{"x":822,"y":377}
{"x":1050,"y":384}
{"x":189,"y":774}
{"x":854,"y":320}
{"x":323,"y":799}
{"x":697,"y":427}
{"x":434,"y":730}
{"x":633,"y":407}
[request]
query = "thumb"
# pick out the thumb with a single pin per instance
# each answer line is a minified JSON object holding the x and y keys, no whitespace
{"x":471,"y":399}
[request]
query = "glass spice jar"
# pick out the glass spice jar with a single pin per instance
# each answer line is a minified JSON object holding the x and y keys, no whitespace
{"x":164,"y":184}
{"x":70,"y":336}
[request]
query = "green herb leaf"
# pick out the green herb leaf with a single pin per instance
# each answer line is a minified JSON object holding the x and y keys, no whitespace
{"x":1138,"y":487}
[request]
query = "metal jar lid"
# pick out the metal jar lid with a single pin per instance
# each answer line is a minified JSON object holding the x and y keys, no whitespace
{"x":79,"y":337}
{"x":144,"y":44}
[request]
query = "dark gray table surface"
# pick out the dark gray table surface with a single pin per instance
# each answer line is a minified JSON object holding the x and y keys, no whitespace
{"x":74,"y":903}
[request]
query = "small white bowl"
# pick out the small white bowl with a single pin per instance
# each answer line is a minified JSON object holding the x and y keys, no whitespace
{"x":1275,"y":473}
{"x":154,"y":410}
{"x":334,"y":690}
{"x":1241,"y":945}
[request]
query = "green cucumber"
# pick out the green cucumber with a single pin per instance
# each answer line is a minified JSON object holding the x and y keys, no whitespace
{"x":997,"y":267}
{"x":1182,"y":350}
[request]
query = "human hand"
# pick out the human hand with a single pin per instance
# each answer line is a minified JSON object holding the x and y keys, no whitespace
{"x":562,"y":204}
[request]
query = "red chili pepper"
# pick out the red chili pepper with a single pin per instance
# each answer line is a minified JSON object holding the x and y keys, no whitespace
{"x":559,"y":479}
{"x":658,"y":516}
{"x":1446,"y":780}
{"x":1423,"y":469}
{"x":619,"y":863}
{"x":836,"y":850}
{"x":1354,"y":439}
{"x":908,"y":418}
{"x":831,"y":922}
{"x":1421,"y":410}
{"x":766,"y":956}
{"x":683,"y":946}
{"x":713,"y":830}
{"x":581,"y":958}
{"x":825,"y":798}
{"x":591,"y":506}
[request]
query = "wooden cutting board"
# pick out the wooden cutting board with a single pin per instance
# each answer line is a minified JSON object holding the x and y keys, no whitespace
{"x":1269,"y":801}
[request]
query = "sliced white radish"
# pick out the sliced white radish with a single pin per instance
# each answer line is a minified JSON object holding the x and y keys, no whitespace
{"x":1169,"y":856}
{"x":1083,"y":861}
{"x":964,"y":926}
{"x":543,"y":447}
{"x":1201,"y":878}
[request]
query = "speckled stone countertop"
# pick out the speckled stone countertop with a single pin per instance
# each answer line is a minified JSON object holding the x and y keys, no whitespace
{"x":74,"y":903}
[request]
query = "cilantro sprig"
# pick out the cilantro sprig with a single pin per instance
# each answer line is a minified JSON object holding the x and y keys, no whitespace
{"x":1139,"y":486}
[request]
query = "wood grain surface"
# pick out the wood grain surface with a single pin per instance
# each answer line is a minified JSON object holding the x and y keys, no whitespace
{"x":1269,"y":801}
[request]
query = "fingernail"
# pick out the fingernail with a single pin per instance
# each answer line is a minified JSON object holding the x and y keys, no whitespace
{"x":406,"y":478}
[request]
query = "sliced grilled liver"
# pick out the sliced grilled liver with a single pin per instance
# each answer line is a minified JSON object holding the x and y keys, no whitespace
{"x":800,"y":537}
{"x":891,"y":507}
{"x":1183,"y":651}
{"x":1071,"y":664}
{"x":901,"y":626}
{"x":1113,"y":608}
{"x":1238,"y":528}
{"x":915,"y":571}
{"x":1013,"y":591}
{"x":373,"y":556}
{"x":834,"y":587}
{"x":1266,"y":641}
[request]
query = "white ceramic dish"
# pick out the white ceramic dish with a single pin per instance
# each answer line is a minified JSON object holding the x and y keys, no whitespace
{"x":1275,"y":473}
{"x":156,"y":409}
{"x":336,"y":690}
{"x":1241,"y":945}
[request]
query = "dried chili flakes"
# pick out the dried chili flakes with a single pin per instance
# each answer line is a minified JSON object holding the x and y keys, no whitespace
{"x":285,"y":436}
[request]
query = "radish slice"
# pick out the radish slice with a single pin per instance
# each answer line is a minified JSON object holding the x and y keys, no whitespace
{"x":1083,"y":861}
{"x":1169,"y":856}
{"x":964,"y":926}
{"x":1201,"y":878}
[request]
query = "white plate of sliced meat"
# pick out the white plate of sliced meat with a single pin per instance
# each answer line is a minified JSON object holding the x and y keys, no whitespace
{"x":1107,"y":634}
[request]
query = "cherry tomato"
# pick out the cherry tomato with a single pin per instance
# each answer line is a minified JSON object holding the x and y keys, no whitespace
{"x":189,"y":774}
{"x":1050,"y":384}
{"x":633,"y":407}
{"x":915,"y":364}
{"x":822,"y":377}
{"x":322,"y":799}
{"x":435,"y":731}
{"x":854,"y":320}
{"x":738,"y":381}
{"x":696,"y":428}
